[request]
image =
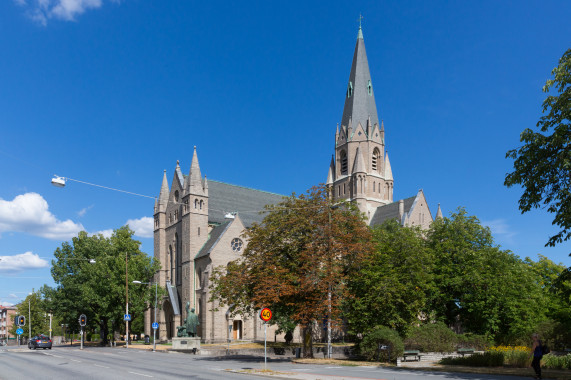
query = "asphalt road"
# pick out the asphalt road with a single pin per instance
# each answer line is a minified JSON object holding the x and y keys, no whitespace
{"x":64,"y":363}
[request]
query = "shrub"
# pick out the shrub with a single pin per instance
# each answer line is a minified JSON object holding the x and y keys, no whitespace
{"x":475,"y":341}
{"x":556,"y":362}
{"x":514,"y":356}
{"x":379,"y":336}
{"x":487,"y":359}
{"x":432,"y":337}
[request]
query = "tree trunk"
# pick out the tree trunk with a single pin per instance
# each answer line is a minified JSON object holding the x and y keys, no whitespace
{"x":307,"y":341}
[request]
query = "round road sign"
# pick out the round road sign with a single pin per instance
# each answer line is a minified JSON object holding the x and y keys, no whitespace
{"x":265,"y":314}
{"x":155,"y":325}
{"x":19,"y":331}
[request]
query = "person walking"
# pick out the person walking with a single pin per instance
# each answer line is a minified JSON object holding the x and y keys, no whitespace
{"x":537,"y":352}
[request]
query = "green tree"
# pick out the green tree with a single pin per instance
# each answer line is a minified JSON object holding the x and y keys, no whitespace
{"x":480,"y":287}
{"x":90,"y":273}
{"x":37,"y":318}
{"x":392,"y":286}
{"x":297,"y":262}
{"x":543,"y":164}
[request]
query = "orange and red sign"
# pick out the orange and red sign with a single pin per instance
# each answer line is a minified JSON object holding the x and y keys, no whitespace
{"x":265,"y":314}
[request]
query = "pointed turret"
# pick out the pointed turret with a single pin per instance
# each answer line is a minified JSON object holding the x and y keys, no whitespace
{"x":359,"y":166}
{"x":195,"y":185}
{"x":439,"y":213}
{"x":388,"y":170}
{"x":163,"y":195}
{"x":331,"y":174}
{"x":360,"y":98}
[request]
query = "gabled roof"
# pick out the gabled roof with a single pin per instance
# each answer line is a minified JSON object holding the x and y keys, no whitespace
{"x":360,"y":105}
{"x":224,"y":198}
{"x":213,"y":239}
{"x":391,"y":211}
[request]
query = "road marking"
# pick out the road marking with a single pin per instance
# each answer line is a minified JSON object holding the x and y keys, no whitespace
{"x":101,"y":366}
{"x":140,"y":374}
{"x":333,"y":367}
{"x":73,"y":360}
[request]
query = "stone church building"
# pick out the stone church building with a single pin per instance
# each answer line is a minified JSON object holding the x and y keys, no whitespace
{"x":198,"y":223}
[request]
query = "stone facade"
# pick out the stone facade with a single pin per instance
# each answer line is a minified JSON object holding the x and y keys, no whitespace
{"x":198,"y":224}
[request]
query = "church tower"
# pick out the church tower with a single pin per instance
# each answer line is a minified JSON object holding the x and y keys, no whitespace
{"x":360,"y":171}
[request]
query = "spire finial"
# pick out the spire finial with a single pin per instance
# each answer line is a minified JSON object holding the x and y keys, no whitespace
{"x":360,"y":34}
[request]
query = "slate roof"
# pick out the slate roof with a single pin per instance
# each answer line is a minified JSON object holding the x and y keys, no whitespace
{"x":360,"y":105}
{"x":224,"y":198}
{"x":391,"y":211}
{"x":215,"y":235}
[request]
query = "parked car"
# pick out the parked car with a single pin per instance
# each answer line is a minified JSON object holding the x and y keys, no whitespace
{"x":40,"y":341}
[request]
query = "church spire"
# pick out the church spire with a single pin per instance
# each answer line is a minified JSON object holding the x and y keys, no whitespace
{"x":360,"y":98}
{"x":195,"y":185}
{"x":164,"y":194}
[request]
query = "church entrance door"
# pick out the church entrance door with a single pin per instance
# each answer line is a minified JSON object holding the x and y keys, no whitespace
{"x":169,"y":319}
{"x":237,"y":330}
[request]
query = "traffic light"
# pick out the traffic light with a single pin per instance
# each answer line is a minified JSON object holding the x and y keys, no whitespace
{"x":21,"y":320}
{"x":82,"y":320}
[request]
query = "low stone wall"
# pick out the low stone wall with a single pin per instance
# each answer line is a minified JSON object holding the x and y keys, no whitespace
{"x":337,"y":352}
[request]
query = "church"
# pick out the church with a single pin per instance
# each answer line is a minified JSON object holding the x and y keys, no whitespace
{"x":198,"y":223}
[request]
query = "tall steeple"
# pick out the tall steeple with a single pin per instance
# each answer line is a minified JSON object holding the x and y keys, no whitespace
{"x":360,"y":98}
{"x":361,"y":170}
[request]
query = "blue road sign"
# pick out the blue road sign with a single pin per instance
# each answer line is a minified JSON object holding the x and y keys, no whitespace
{"x":19,"y":331}
{"x":127,"y":317}
{"x":155,"y":325}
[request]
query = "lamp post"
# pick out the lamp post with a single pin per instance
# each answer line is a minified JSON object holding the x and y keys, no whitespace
{"x":126,"y":301}
{"x":155,"y":318}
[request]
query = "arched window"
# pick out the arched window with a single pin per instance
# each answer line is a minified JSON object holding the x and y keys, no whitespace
{"x":170,"y":264}
{"x":201,"y":204}
{"x":350,"y":89}
{"x":370,"y":88}
{"x":376,"y":159}
{"x":196,"y":203}
{"x":178,"y":254}
{"x":176,"y":196}
{"x":343,"y":162}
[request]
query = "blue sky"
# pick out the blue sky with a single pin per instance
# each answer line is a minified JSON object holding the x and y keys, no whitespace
{"x":113,"y":92}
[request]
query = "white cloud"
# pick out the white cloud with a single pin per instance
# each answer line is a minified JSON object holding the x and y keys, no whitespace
{"x":83,"y":211}
{"x":43,"y":10}
{"x":106,"y":233}
{"x":23,"y":261}
{"x":29,"y":213}
{"x":501,"y":229}
{"x":143,"y":227}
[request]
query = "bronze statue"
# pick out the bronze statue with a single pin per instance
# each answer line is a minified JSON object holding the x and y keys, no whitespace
{"x":188,"y":329}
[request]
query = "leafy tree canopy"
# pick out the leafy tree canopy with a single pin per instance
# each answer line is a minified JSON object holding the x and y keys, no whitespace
{"x":297,"y":261}
{"x":392,"y":286}
{"x":483,"y":288}
{"x":90,"y":273}
{"x":543,"y":164}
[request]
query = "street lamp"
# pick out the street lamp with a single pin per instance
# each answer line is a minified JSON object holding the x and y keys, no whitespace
{"x":155,"y":318}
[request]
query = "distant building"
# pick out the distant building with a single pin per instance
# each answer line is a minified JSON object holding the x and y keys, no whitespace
{"x":198,"y":223}
{"x":7,"y":315}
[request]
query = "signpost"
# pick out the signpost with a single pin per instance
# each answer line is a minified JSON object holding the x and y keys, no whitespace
{"x":266,"y":316}
{"x":19,"y":332}
{"x":82,"y":323}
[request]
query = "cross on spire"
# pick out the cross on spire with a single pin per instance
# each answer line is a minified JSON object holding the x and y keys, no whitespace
{"x":360,"y":19}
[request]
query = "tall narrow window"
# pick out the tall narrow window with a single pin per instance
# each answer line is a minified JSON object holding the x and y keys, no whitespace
{"x":376,"y":159}
{"x":178,"y":257}
{"x":350,"y":89}
{"x":343,"y":162}
{"x":370,"y":88}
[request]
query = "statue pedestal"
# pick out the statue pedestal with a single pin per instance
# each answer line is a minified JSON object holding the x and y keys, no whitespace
{"x":186,"y":344}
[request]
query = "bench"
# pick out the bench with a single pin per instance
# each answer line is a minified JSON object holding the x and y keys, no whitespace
{"x":415,"y":354}
{"x":465,"y":351}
